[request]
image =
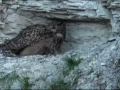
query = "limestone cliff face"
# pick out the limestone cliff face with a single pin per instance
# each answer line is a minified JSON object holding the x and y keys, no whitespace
{"x":90,"y":54}
{"x":78,"y":15}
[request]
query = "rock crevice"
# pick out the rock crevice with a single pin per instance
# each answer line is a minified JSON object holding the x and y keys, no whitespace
{"x":91,"y":50}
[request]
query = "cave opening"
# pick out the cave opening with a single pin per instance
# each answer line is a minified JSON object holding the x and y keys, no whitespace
{"x":58,"y":37}
{"x":37,"y":39}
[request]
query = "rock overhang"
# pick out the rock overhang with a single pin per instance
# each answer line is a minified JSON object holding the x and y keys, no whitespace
{"x":76,"y":10}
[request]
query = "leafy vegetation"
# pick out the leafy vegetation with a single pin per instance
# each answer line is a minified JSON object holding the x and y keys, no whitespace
{"x":71,"y":62}
{"x":8,"y":80}
{"x":26,"y":84}
{"x":60,"y":85}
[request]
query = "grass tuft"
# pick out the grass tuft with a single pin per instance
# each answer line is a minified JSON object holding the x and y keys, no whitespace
{"x":60,"y":85}
{"x":72,"y":62}
{"x":26,"y":84}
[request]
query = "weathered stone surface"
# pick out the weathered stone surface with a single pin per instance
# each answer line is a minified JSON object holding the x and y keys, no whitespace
{"x":90,"y":54}
{"x":67,"y":9}
{"x":102,"y":71}
{"x":82,"y":36}
{"x":37,"y":72}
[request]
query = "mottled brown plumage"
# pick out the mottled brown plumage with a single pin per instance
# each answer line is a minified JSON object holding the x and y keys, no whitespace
{"x":44,"y":47}
{"x":34,"y":35}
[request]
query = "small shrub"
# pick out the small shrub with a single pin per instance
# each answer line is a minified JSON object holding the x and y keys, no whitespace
{"x":8,"y":80}
{"x":60,"y":85}
{"x":26,"y":84}
{"x":72,"y":62}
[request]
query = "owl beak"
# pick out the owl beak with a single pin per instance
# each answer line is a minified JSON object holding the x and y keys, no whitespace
{"x":59,"y":37}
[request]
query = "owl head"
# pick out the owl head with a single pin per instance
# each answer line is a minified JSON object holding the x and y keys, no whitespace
{"x":58,"y":40}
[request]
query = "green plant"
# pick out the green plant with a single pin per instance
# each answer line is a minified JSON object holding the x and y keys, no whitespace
{"x":7,"y":81}
{"x":60,"y":85}
{"x":72,"y":62}
{"x":26,"y":84}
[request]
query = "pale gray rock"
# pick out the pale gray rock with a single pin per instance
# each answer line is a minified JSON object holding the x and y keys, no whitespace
{"x":92,"y":74}
{"x":15,"y":73}
{"x":90,"y":54}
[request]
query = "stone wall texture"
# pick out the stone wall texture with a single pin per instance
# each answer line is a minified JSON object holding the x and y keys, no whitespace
{"x":90,"y":57}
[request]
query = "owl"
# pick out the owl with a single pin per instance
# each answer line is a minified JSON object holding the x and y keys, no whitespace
{"x":34,"y":35}
{"x":44,"y":47}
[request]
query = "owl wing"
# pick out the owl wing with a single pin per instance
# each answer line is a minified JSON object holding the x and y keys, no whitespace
{"x":26,"y":37}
